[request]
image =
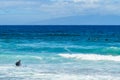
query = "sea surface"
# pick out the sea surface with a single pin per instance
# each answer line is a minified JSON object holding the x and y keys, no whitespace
{"x":60,"y":52}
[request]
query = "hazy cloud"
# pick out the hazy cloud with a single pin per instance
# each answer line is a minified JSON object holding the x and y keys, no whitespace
{"x":60,"y":7}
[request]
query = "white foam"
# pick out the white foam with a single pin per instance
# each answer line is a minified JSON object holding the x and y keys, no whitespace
{"x":113,"y":48}
{"x":87,"y":77}
{"x":41,"y":73}
{"x":94,"y":57}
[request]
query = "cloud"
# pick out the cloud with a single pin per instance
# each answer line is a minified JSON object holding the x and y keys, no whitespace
{"x":58,"y":8}
{"x":86,"y":7}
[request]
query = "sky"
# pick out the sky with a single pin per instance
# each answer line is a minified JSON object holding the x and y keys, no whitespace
{"x":59,"y":12}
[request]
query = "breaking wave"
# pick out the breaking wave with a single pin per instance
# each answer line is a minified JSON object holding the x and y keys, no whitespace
{"x":94,"y":57}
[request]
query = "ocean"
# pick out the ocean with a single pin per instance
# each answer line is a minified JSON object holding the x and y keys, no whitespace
{"x":60,"y":52}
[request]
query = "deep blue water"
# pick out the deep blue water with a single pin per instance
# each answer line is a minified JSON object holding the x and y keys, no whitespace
{"x":79,"y":39}
{"x":49,"y":52}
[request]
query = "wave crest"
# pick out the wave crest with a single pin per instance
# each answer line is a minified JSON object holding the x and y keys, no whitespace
{"x":93,"y":57}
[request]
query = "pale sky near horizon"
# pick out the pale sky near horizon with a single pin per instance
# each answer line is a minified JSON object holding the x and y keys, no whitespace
{"x":32,"y":11}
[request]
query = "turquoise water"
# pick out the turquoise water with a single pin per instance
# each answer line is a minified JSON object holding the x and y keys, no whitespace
{"x":60,"y":52}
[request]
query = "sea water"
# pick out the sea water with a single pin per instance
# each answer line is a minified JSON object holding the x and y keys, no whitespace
{"x":60,"y":52}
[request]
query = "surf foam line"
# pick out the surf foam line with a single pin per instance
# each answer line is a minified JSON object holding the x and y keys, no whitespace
{"x":93,"y":57}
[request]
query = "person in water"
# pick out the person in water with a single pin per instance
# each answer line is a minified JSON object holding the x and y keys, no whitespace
{"x":18,"y":63}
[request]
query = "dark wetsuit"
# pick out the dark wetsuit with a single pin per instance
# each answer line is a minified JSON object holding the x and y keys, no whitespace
{"x":18,"y":63}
